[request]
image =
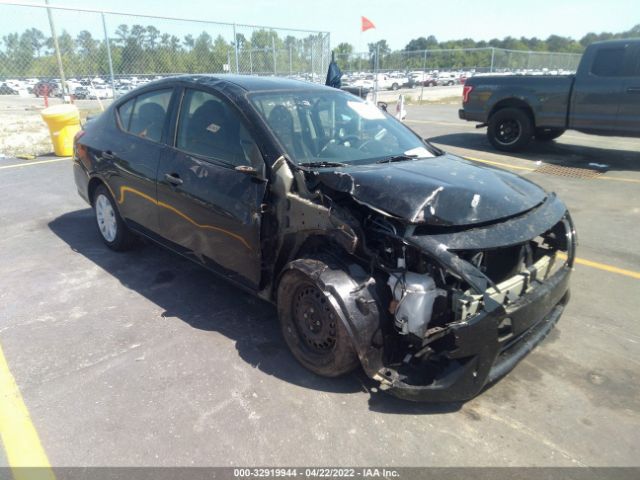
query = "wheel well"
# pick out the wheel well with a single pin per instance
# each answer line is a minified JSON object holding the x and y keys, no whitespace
{"x":513,"y":103}
{"x":93,"y":184}
{"x":311,"y":246}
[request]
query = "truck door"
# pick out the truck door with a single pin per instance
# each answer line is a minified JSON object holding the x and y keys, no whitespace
{"x":598,"y":91}
{"x":629,"y":112}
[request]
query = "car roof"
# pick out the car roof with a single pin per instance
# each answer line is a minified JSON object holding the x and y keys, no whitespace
{"x":249,"y":83}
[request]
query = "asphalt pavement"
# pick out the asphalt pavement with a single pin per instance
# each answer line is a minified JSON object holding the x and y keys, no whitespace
{"x":145,"y":359}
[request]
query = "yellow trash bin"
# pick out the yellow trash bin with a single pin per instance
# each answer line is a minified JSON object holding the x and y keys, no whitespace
{"x":63,"y":122}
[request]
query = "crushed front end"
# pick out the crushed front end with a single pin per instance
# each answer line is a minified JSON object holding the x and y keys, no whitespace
{"x":464,"y":305}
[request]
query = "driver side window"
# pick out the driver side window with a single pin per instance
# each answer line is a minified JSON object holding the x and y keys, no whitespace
{"x":207,"y":127}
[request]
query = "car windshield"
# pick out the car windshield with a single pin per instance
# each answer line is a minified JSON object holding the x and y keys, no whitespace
{"x":318,"y":127}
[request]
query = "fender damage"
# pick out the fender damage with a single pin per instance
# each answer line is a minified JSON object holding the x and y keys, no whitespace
{"x":443,"y":286}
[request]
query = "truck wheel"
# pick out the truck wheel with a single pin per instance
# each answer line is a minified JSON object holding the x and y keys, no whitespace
{"x":547,"y":134}
{"x":394,"y":86}
{"x":510,"y":129}
{"x":111,"y":227}
{"x":311,"y":327}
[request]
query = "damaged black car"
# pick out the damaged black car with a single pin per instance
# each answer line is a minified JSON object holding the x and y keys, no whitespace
{"x":435,"y":274}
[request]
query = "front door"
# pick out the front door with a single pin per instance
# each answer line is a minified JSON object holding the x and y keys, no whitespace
{"x":209,"y":204}
{"x":598,"y":92}
{"x":629,"y":113}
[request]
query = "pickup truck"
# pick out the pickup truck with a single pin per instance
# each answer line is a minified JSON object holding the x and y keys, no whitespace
{"x":602,"y":98}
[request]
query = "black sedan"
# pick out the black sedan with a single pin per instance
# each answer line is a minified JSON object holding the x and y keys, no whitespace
{"x":435,"y":274}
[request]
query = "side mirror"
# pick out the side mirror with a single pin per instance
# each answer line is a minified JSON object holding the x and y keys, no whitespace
{"x":383,"y":106}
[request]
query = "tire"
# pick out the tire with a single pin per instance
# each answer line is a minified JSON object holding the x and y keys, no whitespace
{"x":311,"y":327}
{"x":548,"y":134}
{"x":510,"y":129}
{"x":112,"y":229}
{"x":394,"y":86}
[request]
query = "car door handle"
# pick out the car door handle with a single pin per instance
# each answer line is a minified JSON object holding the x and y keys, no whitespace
{"x":633,"y":90}
{"x":173,"y":178}
{"x":108,"y":155}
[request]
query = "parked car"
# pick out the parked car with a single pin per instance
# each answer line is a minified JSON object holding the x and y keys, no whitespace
{"x":447,"y":79}
{"x":373,"y":251}
{"x":602,"y":98}
{"x":46,"y":88}
{"x":99,"y":92}
{"x":7,"y":90}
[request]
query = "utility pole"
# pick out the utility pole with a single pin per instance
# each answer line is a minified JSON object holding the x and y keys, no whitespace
{"x":63,"y":81}
{"x":273,"y":47}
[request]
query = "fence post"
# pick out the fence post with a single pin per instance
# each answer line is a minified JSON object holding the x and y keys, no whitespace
{"x":376,"y":66}
{"x":235,"y":42}
{"x":108,"y":45}
{"x":273,"y":48}
{"x":290,"y":61}
{"x":311,"y":63}
{"x":251,"y":61}
{"x":63,"y":81}
{"x":493,"y":54}
{"x":424,"y":74}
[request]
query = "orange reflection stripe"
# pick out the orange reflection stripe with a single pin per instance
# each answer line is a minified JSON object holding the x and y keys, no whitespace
{"x":125,"y":188}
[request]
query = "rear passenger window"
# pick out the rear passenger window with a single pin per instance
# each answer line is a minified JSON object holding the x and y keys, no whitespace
{"x":124,"y":114}
{"x":208,"y":127}
{"x":145,"y":118}
{"x":609,"y":62}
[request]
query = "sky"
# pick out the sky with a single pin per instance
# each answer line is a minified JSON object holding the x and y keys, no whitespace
{"x":446,"y":19}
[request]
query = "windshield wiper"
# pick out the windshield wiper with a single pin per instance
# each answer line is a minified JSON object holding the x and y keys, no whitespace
{"x":322,"y":164}
{"x":397,"y":158}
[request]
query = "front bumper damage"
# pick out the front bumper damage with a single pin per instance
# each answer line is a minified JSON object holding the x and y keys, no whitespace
{"x":485,"y":349}
{"x":494,"y":327}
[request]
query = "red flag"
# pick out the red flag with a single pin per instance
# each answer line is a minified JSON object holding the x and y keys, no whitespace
{"x":367,"y":24}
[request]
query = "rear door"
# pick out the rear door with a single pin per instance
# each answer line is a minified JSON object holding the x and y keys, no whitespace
{"x":598,"y":91}
{"x":209,"y":204}
{"x":143,"y":122}
{"x":629,"y":112}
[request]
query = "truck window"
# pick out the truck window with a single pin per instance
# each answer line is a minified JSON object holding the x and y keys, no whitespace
{"x":609,"y":62}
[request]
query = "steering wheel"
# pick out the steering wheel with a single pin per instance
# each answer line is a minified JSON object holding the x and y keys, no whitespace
{"x":340,"y":141}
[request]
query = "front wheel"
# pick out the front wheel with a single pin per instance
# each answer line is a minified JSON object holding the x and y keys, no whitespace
{"x":112,"y":228}
{"x":510,"y":129}
{"x":548,"y":134}
{"x":312,"y":328}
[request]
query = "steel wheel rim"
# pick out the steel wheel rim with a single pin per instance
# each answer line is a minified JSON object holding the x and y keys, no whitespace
{"x":106,"y":217}
{"x":314,"y":320}
{"x":508,"y":132}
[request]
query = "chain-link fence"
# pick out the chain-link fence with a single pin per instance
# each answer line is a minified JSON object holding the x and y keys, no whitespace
{"x":475,"y":60}
{"x":107,"y":53}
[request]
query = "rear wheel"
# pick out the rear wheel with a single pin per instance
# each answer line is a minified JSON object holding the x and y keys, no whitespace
{"x":395,"y":86}
{"x":312,"y":328}
{"x":510,"y":129}
{"x":111,"y":227}
{"x":548,"y":134}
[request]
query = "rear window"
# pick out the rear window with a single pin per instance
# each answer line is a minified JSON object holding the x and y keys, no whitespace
{"x":609,"y":62}
{"x":124,"y":114}
{"x":144,"y":115}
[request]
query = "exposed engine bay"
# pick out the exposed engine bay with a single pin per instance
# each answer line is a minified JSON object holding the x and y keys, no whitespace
{"x":436,"y":304}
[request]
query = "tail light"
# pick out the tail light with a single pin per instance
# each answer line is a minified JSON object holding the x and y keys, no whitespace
{"x":465,"y":93}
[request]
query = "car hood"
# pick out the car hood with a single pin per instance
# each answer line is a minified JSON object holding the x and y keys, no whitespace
{"x":445,"y":190}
